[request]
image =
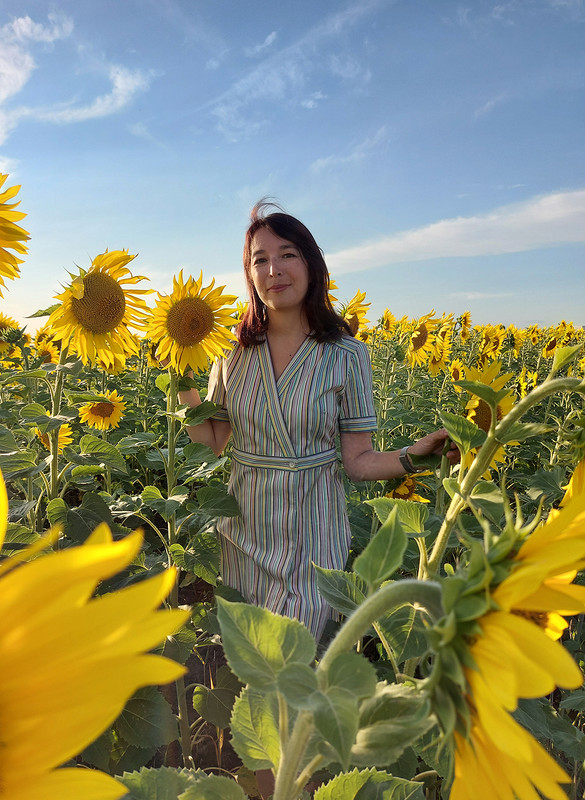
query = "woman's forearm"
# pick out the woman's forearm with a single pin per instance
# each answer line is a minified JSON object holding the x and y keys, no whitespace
{"x":210,"y":432}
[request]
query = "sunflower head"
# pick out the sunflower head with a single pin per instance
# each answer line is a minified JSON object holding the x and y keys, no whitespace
{"x":192,"y":324}
{"x":104,"y":413}
{"x":97,"y":309}
{"x":354,"y":312}
{"x":421,"y":340}
{"x":12,"y":236}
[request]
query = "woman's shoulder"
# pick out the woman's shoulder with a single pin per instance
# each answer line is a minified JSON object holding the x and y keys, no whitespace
{"x":350,"y":345}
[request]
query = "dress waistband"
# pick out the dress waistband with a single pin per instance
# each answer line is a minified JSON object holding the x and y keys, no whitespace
{"x":284,"y":462}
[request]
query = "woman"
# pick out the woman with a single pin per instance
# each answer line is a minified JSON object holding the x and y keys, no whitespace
{"x":296,"y":380}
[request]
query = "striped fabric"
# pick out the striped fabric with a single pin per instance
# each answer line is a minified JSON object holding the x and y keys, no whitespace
{"x":285,"y":473}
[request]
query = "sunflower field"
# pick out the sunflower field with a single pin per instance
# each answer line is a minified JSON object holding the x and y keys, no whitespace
{"x":454,"y":668}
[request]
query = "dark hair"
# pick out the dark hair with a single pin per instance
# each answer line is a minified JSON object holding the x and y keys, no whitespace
{"x":325,"y":323}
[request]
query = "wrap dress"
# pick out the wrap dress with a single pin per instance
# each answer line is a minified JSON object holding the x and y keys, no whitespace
{"x":286,"y":474}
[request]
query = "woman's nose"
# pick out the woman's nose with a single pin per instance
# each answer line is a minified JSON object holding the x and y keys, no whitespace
{"x":274,"y":268}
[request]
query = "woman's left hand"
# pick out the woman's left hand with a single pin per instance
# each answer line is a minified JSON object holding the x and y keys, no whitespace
{"x":434,"y":444}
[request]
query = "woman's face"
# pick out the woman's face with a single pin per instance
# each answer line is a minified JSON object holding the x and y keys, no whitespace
{"x":279,"y":271}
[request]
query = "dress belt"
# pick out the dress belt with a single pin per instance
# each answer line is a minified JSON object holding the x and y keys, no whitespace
{"x":284,"y":462}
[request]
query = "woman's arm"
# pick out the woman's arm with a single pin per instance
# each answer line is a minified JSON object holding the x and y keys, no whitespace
{"x":212,"y":432}
{"x":362,"y":463}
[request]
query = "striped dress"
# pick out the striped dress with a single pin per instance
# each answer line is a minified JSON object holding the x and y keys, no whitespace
{"x":286,"y":475}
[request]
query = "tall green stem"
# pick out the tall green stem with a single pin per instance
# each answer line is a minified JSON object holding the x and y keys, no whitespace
{"x":171,"y":472}
{"x":388,"y":597}
{"x":484,"y":458}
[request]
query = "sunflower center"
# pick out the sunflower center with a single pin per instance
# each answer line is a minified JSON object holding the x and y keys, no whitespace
{"x":189,"y":321}
{"x":539,"y":618}
{"x":483,"y":416}
{"x":353,"y":323}
{"x":102,"y":307}
{"x":419,"y":337}
{"x":103,"y":409}
{"x":456,"y":374}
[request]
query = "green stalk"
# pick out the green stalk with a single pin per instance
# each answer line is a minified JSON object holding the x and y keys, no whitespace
{"x":484,"y":458}
{"x":183,"y":716}
{"x":384,"y":600}
{"x":57,"y":395}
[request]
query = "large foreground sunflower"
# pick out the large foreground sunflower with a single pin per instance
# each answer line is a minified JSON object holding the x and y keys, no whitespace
{"x":192,"y":325}
{"x":98,"y":308}
{"x":514,"y":653}
{"x":70,"y":661}
{"x":12,"y":236}
{"x":105,"y":413}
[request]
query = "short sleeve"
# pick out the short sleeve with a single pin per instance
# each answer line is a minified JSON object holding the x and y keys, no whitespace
{"x":357,"y":411}
{"x":216,"y":392}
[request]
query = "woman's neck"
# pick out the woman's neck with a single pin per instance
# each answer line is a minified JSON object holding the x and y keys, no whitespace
{"x":290,"y":325}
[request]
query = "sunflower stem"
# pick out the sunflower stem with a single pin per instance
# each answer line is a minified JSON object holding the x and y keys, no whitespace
{"x":484,"y":458}
{"x":183,"y":716}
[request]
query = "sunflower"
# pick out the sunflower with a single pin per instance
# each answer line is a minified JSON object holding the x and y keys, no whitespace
{"x":105,"y":413}
{"x":65,"y":437}
{"x":93,"y":652}
{"x":354,"y":312}
{"x":480,"y":412}
{"x":97,"y":309}
{"x":332,"y":287}
{"x":516,"y":338}
{"x":388,"y":323}
{"x":421,"y":340}
{"x":465,"y":325}
{"x":526,"y":380}
{"x":409,"y":486}
{"x":12,"y":236}
{"x":441,"y":351}
{"x":47,"y":352}
{"x":191,"y":325}
{"x":241,"y":308}
{"x":491,"y":343}
{"x":514,"y":653}
{"x":457,"y":372}
{"x":552,"y":344}
{"x":7,"y":326}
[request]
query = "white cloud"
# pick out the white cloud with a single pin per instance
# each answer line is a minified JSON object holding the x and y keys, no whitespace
{"x":259,"y":49}
{"x":480,"y":295}
{"x":125,"y":84}
{"x":282,"y":77}
{"x":312,"y":100}
{"x":490,"y":105}
{"x":543,"y":221}
{"x":17,"y":65}
{"x":354,"y":156}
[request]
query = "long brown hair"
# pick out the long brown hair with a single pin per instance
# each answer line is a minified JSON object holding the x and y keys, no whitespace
{"x":325,"y":323}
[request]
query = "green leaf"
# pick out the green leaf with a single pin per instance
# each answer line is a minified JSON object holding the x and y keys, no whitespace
{"x":215,"y":705}
{"x":354,"y":673}
{"x":488,"y":497}
{"x":258,"y":643}
{"x":575,"y":701}
{"x":383,"y":555}
{"x":162,"y":382}
{"x":548,"y":483}
{"x":128,"y":445}
{"x":404,"y":631}
{"x":483,"y":391}
{"x":57,"y":510}
{"x":44,"y":312}
{"x":166,"y":507}
{"x":564,"y":356}
{"x":8,"y":443}
{"x":462,"y":431}
{"x":213,"y":787}
{"x":520,"y":431}
{"x":255,"y":733}
{"x":370,"y":784}
{"x":21,"y":465}
{"x":389,"y":721}
{"x":297,"y":683}
{"x":202,"y":560}
{"x":335,"y":714}
{"x":101,"y":452}
{"x":147,"y":720}
{"x":164,"y":783}
{"x":412,"y":516}
{"x":198,"y":414}
{"x":217,"y":502}
{"x":344,"y":591}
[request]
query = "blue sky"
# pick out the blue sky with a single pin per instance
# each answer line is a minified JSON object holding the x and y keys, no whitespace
{"x":435,"y":148}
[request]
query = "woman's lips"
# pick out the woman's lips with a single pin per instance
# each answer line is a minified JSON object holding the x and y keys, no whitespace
{"x":280,"y":287}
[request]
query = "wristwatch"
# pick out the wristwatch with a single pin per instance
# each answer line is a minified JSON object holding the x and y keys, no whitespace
{"x":406,"y":462}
